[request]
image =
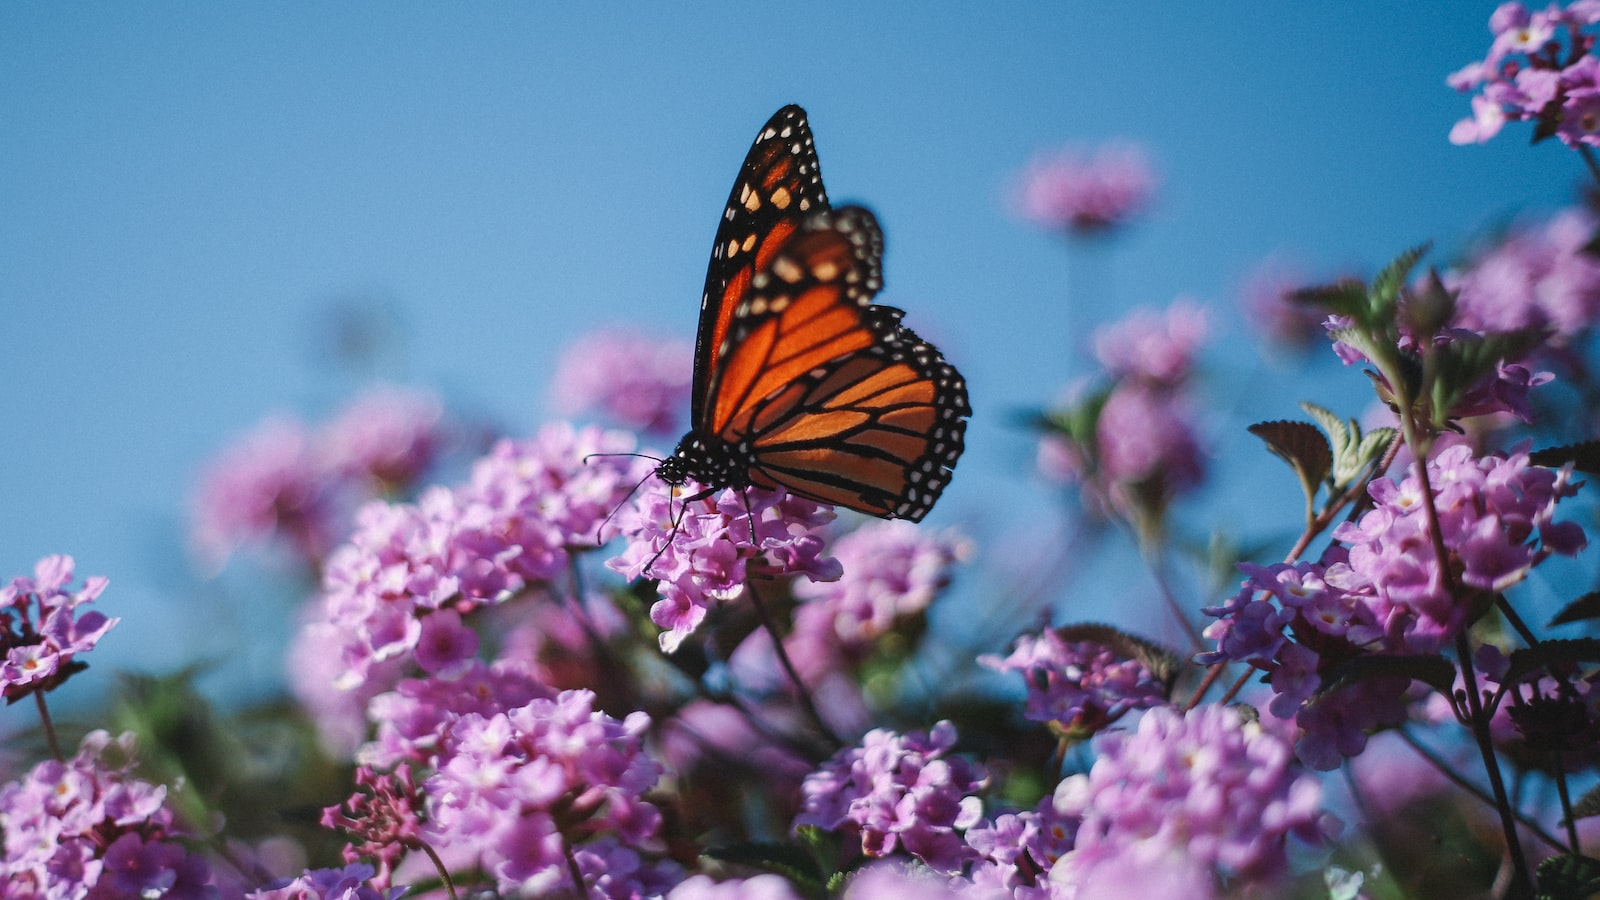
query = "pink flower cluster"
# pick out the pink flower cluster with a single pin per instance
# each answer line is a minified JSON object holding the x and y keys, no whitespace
{"x":1079,"y":686}
{"x":899,"y":792}
{"x":1381,"y":590}
{"x":1019,"y":850}
{"x":522,"y":789}
{"x":86,"y":828}
{"x":1182,"y":805}
{"x":892,"y":571}
{"x":702,"y":551}
{"x":42,"y":630}
{"x":635,"y":380}
{"x":1086,"y":192}
{"x":1538,"y":69}
{"x":1143,"y":451}
{"x":284,"y":480}
{"x":1535,"y":278}
{"x":399,"y":587}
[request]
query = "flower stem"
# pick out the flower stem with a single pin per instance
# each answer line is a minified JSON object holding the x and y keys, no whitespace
{"x":801,"y":691}
{"x":1566,"y":802}
{"x":1444,"y":768}
{"x":1522,"y":883}
{"x":444,"y":873}
{"x":49,"y":727}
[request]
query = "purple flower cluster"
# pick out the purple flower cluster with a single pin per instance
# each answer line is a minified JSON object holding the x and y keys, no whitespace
{"x":284,"y":480}
{"x":86,"y":828}
{"x":525,"y":788}
{"x":1079,"y":687}
{"x":41,"y":630}
{"x":1143,"y":450}
{"x":899,"y":792}
{"x":1203,"y":793}
{"x":399,"y":587}
{"x":1156,"y":348}
{"x":1086,"y":192}
{"x":349,"y":883}
{"x":635,"y":380}
{"x":1534,"y":278}
{"x":702,"y":551}
{"x":1538,"y":69}
{"x":892,"y":571}
{"x":1019,"y":850}
{"x":1380,"y":590}
{"x":1501,"y":390}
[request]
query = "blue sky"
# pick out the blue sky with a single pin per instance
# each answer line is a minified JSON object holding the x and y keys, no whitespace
{"x":187,"y":189}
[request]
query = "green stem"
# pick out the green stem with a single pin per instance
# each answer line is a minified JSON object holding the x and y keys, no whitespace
{"x":803,"y":692}
{"x":444,"y":873}
{"x":1443,"y":768}
{"x":1479,"y":719}
{"x":49,"y":727}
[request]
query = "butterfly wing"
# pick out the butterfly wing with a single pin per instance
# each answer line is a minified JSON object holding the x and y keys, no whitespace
{"x":779,"y":185}
{"x":830,"y":396}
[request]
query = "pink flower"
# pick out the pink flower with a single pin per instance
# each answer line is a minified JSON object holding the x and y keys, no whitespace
{"x":1086,"y":192}
{"x":899,"y":792}
{"x":41,"y":631}
{"x":701,"y":551}
{"x":1202,"y":791}
{"x":633,"y":379}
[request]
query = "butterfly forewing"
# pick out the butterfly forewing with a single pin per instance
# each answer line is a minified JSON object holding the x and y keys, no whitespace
{"x":799,"y":381}
{"x":779,"y":185}
{"x":834,"y":398}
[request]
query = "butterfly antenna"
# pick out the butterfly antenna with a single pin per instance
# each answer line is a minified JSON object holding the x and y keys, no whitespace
{"x":600,"y":531}
{"x":677,"y":523}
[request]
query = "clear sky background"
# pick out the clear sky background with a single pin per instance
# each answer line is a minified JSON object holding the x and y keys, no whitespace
{"x":188,"y":190}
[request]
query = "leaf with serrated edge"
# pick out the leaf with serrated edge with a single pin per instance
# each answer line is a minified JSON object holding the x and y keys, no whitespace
{"x":1568,"y":877}
{"x":1585,"y":457}
{"x":1434,"y":671}
{"x":1303,"y":447}
{"x":1527,"y":660}
{"x":1582,"y":609}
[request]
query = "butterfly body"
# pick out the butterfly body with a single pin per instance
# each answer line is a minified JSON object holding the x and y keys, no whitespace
{"x":800,"y":381}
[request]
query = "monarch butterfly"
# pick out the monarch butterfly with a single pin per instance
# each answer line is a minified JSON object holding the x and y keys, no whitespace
{"x":799,"y":380}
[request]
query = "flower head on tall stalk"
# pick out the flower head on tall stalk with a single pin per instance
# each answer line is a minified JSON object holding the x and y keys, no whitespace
{"x":632,"y":379}
{"x":1129,"y":445}
{"x":43,"y":630}
{"x":1538,"y":69}
{"x":1086,"y":192}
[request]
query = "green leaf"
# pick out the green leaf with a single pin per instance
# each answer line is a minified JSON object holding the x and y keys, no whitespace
{"x":1588,"y":806}
{"x":1580,"y":610}
{"x":1433,"y":670}
{"x":1391,"y":281}
{"x":1585,"y":457}
{"x":1457,"y":367}
{"x":1353,"y":452}
{"x":1343,"y":298}
{"x":1303,"y":448}
{"x":1528,"y":660}
{"x":1568,"y":878}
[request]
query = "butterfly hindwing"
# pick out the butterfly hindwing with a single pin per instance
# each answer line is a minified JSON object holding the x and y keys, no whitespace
{"x":834,"y":398}
{"x":779,"y":185}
